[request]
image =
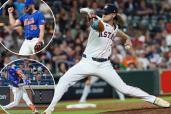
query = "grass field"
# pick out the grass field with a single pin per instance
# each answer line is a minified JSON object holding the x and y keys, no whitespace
{"x":103,"y":105}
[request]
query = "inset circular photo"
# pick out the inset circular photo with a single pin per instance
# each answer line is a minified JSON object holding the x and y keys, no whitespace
{"x":26,"y":26}
{"x":26,"y":87}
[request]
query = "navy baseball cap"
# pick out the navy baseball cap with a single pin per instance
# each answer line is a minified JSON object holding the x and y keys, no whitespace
{"x":28,"y":2}
{"x":110,"y":8}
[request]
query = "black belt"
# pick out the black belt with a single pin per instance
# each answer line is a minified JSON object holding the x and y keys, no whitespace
{"x":30,"y":38}
{"x":98,"y":59}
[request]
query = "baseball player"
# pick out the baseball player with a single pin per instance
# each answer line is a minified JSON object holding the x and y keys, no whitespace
{"x":91,"y":80}
{"x":33,"y":23}
{"x":17,"y":82}
{"x":95,"y":59}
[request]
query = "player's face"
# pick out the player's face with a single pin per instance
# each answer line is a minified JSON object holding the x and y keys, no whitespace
{"x":29,"y":9}
{"x":108,"y":17}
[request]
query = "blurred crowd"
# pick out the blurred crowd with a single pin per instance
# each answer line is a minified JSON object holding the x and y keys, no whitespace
{"x":147,"y":22}
{"x":35,"y":72}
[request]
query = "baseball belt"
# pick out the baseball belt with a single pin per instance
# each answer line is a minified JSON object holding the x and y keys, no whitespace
{"x":97,"y":59}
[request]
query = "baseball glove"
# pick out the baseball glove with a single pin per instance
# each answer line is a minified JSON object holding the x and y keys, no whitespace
{"x":38,"y":46}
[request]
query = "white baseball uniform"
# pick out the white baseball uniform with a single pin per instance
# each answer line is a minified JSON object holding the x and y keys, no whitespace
{"x":99,"y":46}
{"x":19,"y":92}
{"x":27,"y":47}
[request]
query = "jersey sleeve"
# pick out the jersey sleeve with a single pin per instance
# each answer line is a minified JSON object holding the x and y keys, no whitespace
{"x":12,"y":81}
{"x":97,"y":24}
{"x":94,"y":23}
{"x":15,"y":83}
{"x":41,"y":19}
{"x":21,"y":19}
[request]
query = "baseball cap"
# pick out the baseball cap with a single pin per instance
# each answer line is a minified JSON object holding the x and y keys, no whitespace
{"x":110,"y":8}
{"x":28,"y":2}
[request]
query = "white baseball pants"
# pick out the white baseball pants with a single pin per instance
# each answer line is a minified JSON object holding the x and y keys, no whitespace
{"x":104,"y":70}
{"x":18,"y":94}
{"x":27,"y":47}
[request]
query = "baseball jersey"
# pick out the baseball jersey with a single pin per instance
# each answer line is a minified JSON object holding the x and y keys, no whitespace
{"x":99,"y":44}
{"x":13,"y":77}
{"x":31,"y":24}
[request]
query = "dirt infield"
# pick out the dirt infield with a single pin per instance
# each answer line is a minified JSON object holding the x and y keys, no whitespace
{"x":111,"y":108}
{"x":138,"y":108}
{"x":124,"y":108}
{"x":142,"y":111}
{"x":2,"y":112}
{"x":119,"y":106}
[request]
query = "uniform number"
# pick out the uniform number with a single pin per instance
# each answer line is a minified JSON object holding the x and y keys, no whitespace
{"x":33,"y":27}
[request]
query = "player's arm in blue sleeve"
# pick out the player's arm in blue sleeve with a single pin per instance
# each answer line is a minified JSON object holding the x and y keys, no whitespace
{"x":15,"y":83}
{"x":41,"y":22}
{"x":13,"y":22}
{"x":12,"y":81}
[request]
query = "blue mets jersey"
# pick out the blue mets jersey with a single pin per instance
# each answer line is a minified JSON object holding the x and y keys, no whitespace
{"x":31,"y":24}
{"x":13,"y":77}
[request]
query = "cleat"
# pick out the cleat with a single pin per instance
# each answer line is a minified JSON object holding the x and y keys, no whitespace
{"x":162,"y":103}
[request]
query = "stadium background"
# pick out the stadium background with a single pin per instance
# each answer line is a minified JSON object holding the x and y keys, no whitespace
{"x":147,"y":23}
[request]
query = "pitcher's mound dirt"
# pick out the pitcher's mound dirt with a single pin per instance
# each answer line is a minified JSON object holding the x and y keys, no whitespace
{"x":142,"y":111}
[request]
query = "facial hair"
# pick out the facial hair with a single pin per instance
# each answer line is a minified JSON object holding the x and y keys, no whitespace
{"x":29,"y":11}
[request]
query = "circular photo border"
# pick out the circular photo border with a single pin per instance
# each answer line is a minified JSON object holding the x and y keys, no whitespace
{"x":22,"y":59}
{"x":55,"y":25}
